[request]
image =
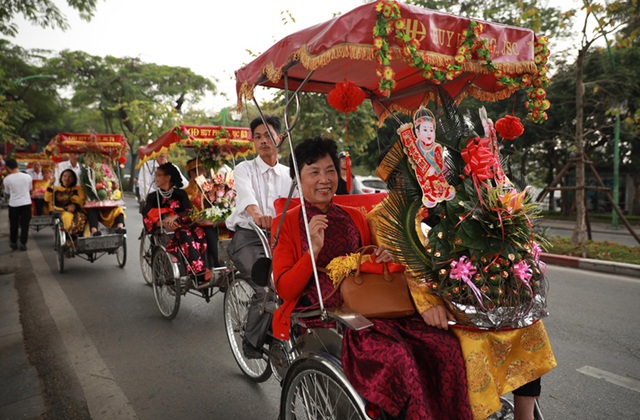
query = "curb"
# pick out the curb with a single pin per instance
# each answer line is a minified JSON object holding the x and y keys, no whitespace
{"x":609,"y":267}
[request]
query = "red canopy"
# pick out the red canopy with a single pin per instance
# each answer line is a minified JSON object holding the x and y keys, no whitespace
{"x":343,"y":49}
{"x":112,"y":145}
{"x":29,"y":157}
{"x":238,"y":142}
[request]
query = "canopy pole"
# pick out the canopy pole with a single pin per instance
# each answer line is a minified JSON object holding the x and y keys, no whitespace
{"x":305,"y":217}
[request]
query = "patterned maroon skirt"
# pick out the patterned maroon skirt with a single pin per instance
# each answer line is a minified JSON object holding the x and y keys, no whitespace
{"x":404,"y":365}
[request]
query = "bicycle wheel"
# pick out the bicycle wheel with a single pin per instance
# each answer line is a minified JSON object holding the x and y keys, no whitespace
{"x":314,"y":391}
{"x":60,"y":258}
{"x":537,"y":412}
{"x":505,"y":412}
{"x":166,"y":284}
{"x":59,"y":239}
{"x":121,"y":253}
{"x":236,"y":306}
{"x":146,"y":254}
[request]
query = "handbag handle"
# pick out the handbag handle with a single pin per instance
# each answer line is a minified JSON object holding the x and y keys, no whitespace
{"x":385,"y":269}
{"x":357,"y":278}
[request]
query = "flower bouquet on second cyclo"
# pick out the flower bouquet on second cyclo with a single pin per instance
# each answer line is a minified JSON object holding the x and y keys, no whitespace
{"x":216,"y":200}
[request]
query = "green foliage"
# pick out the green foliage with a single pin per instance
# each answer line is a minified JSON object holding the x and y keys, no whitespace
{"x":12,"y":114}
{"x":29,"y":103}
{"x":355,"y":131}
{"x":140,"y":100}
{"x":606,"y":251}
{"x":41,"y":12}
{"x":541,"y":18}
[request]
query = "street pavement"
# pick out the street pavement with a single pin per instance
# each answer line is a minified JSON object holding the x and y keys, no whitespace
{"x":20,"y":393}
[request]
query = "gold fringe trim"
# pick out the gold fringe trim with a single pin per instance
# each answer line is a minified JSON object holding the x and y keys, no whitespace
{"x":345,"y":50}
{"x":97,"y":143}
{"x":367,"y":53}
{"x":152,"y":156}
{"x":340,"y":267}
{"x":472,"y":91}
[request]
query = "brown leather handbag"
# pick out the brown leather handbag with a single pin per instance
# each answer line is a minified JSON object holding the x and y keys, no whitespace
{"x":376,"y":295}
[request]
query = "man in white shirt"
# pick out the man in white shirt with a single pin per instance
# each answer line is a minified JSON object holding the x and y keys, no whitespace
{"x":72,"y":163}
{"x":258,"y":182}
{"x":147,"y":176}
{"x":18,"y":186}
{"x":36,"y":174}
{"x":35,"y":171}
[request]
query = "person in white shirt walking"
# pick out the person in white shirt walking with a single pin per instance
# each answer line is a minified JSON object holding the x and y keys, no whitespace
{"x":258,"y":182}
{"x":18,"y":186}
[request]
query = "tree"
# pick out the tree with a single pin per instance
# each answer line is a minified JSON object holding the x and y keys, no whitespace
{"x":141,"y":100}
{"x":355,"y":130}
{"x":28,"y":99}
{"x":40,"y":12}
{"x":532,"y":14}
{"x":609,"y":19}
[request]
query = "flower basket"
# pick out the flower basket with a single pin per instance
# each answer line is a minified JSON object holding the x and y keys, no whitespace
{"x":218,"y":199}
{"x":477,"y":250}
{"x":99,"y":181}
{"x":486,"y":261}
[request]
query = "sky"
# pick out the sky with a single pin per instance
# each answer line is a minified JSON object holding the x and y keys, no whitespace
{"x":212,"y":38}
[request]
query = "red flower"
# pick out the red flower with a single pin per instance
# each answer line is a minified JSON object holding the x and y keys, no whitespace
{"x":122,"y":159}
{"x":509,"y":127}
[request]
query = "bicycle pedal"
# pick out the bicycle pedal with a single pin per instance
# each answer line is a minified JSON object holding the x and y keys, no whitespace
{"x":185,"y":284}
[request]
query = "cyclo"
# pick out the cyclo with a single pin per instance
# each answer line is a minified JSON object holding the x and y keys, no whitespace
{"x":38,"y":221}
{"x":100,"y":154}
{"x":397,"y":74}
{"x":213,"y":148}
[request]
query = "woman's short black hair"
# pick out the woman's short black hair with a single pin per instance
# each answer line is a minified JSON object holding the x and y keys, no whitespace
{"x":171,"y":170}
{"x":310,"y":150}
{"x":75,"y":177}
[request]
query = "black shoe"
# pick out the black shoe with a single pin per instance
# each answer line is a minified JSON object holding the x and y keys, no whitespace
{"x":251,"y":352}
{"x":96,"y":233}
{"x":13,"y":245}
{"x":121,"y":230}
{"x":22,"y":247}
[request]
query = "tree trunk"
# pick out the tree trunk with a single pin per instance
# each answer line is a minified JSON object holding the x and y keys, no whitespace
{"x":550,"y":177}
{"x":579,"y":237}
{"x":635,"y":205}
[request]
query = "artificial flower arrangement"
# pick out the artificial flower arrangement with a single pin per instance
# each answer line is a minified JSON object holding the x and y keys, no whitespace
{"x":478,"y":250}
{"x":217,"y":199}
{"x":217,"y":152}
{"x":99,"y":181}
{"x":39,"y":187}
